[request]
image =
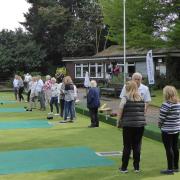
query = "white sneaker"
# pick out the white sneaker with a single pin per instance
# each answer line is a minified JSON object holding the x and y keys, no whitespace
{"x":50,"y":113}
{"x":124,"y":171}
{"x":136,"y":170}
{"x":56,"y":114}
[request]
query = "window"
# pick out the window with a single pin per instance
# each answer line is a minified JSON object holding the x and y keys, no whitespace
{"x":80,"y":70}
{"x":96,"y":70}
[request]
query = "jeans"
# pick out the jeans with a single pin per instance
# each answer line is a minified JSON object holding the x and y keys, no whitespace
{"x":68,"y":110}
{"x":16,"y":93}
{"x":41,"y":98}
{"x":54,"y":100}
{"x":21,"y":89}
{"x":170,"y":142}
{"x":73,"y":109}
{"x":132,"y":137}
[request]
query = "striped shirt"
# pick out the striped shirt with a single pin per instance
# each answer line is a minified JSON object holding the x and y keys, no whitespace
{"x":169,"y":119}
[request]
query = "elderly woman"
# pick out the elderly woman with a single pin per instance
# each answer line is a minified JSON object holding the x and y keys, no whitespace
{"x":93,"y":103}
{"x":20,"y":88}
{"x":69,"y":97}
{"x":54,"y":96}
{"x":47,"y":89}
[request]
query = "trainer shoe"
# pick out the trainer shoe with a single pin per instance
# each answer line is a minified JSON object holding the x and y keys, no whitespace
{"x":167,"y":171}
{"x":56,"y":114}
{"x":124,"y":171}
{"x":136,"y":170}
{"x":64,"y":121}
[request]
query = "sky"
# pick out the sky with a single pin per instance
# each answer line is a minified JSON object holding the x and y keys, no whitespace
{"x":11,"y":13}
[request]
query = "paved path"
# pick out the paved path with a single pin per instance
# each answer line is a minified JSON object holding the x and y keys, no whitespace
{"x":151,"y":116}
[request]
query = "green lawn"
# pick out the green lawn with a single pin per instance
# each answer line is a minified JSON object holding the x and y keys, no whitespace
{"x":158,"y":99}
{"x":105,"y":138}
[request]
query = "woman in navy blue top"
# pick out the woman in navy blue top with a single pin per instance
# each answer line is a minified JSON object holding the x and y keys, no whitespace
{"x":93,"y":103}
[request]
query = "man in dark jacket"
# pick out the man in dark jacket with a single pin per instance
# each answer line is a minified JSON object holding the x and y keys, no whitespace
{"x":93,"y":103}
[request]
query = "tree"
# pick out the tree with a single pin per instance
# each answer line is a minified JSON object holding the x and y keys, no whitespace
{"x":174,"y":35}
{"x":86,"y":29}
{"x":143,"y":22}
{"x":48,"y":21}
{"x":18,"y":52}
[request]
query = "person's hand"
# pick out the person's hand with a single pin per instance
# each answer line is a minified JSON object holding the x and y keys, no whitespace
{"x":159,"y":124}
{"x":118,"y":124}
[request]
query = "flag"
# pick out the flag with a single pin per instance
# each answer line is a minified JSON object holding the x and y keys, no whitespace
{"x":150,"y":67}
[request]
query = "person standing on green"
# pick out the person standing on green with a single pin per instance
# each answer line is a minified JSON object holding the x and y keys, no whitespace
{"x":132,"y":120}
{"x":169,"y":123}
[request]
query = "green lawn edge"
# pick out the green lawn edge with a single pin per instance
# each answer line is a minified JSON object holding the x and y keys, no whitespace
{"x":151,"y":131}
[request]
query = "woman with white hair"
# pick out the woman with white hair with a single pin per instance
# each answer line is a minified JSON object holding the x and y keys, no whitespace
{"x":47,"y":89}
{"x":93,"y":103}
{"x":54,"y":96}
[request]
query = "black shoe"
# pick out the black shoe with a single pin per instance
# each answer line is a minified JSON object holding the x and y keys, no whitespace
{"x":91,"y":126}
{"x":124,"y":171}
{"x":168,"y":172}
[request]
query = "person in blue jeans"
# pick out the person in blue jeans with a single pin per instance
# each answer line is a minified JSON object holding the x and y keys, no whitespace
{"x":169,"y":123}
{"x":93,"y":103}
{"x":69,"y":97}
{"x":55,"y":91}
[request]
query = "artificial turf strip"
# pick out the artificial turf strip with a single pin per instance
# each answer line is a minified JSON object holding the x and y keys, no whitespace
{"x":2,"y":102}
{"x":49,"y":159}
{"x":24,"y":124}
{"x":12,"y":110}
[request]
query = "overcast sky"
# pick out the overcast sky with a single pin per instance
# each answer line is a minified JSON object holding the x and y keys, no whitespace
{"x":11,"y":12}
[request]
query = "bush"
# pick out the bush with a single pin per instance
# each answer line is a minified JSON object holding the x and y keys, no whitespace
{"x":117,"y":79}
{"x":160,"y":82}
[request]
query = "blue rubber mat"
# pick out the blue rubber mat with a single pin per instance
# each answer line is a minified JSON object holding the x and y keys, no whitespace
{"x":25,"y":124}
{"x":50,"y":159}
{"x":6,"y":110}
{"x":7,"y":102}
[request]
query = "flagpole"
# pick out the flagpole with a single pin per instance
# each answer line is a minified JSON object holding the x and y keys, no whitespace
{"x":124,"y":37}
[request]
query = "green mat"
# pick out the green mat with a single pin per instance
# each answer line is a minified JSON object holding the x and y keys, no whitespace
{"x":25,"y":124}
{"x":5,"y":110}
{"x":7,"y":102}
{"x":49,"y":159}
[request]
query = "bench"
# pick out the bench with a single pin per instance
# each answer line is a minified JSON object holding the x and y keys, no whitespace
{"x":107,"y":111}
{"x":115,"y":91}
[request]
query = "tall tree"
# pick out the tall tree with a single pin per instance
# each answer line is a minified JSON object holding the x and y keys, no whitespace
{"x":48,"y":21}
{"x":143,"y":22}
{"x":86,"y":29}
{"x":18,"y":52}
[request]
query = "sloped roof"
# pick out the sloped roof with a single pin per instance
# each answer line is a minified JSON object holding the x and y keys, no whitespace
{"x":116,"y":50}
